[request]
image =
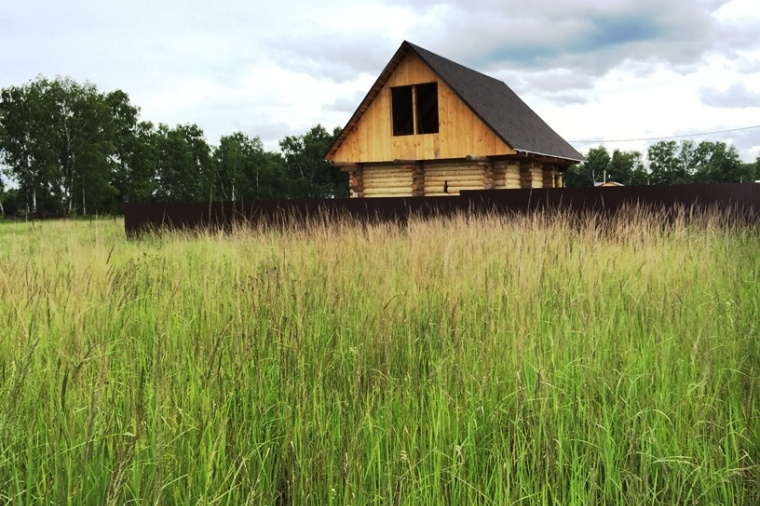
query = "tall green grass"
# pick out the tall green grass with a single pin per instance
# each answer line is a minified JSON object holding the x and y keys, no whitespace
{"x":492,"y":360}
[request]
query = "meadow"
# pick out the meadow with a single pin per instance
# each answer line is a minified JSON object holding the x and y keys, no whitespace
{"x":489,"y":360}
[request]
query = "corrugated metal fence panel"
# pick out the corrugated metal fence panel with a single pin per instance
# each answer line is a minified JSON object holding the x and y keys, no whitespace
{"x":144,"y":216}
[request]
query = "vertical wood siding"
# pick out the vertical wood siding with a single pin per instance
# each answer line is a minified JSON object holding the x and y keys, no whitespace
{"x":461,"y":133}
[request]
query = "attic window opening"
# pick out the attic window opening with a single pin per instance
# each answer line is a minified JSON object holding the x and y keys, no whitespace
{"x":415,"y":109}
{"x":403,"y":117}
{"x":427,"y":108}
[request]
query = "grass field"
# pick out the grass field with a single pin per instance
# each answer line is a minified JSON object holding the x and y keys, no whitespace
{"x":464,"y":361}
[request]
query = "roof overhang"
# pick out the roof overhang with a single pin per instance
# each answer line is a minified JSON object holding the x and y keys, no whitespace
{"x":549,"y":158}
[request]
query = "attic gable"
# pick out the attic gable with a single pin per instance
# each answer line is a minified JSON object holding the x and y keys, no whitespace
{"x":371,"y":136}
{"x":479,"y":116}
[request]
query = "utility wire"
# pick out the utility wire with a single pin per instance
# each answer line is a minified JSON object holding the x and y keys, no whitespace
{"x":668,"y":136}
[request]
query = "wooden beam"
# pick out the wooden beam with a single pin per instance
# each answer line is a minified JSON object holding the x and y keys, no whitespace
{"x":346,"y":165}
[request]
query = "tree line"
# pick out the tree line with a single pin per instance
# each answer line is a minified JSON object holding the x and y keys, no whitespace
{"x":69,"y":149}
{"x":669,"y":162}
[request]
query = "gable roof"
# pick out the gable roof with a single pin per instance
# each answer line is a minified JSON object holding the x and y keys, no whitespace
{"x":491,"y":100}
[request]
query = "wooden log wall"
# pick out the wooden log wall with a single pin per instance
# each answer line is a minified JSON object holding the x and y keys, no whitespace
{"x":488,"y":175}
{"x":449,"y":178}
{"x":536,"y":176}
{"x":412,"y":179}
{"x":356,"y":181}
{"x":513,"y":177}
{"x":506,"y":175}
{"x":548,"y":173}
{"x":525,"y":175}
{"x":499,"y":172}
{"x":418,"y":180}
{"x":388,"y":180}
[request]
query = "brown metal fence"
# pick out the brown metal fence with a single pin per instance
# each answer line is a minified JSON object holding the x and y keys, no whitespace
{"x":740,"y":198}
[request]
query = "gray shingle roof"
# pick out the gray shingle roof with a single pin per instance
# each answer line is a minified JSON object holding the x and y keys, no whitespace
{"x":499,"y":107}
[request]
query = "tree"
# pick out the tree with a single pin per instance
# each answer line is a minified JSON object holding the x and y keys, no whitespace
{"x":669,"y":164}
{"x":184,"y":169}
{"x":754,"y":169}
{"x":84,"y":144}
{"x":309,"y":176}
{"x":229,"y":161}
{"x":56,"y":140}
{"x":627,"y":167}
{"x":134,"y":156}
{"x":716,"y":162}
{"x":25,"y":141}
{"x":590,"y":171}
{"x":267,"y":177}
{"x":244,"y":171}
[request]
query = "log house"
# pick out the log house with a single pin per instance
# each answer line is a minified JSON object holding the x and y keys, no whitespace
{"x":432,"y":127}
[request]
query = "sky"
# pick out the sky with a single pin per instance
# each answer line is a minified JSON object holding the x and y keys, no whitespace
{"x":597,"y":71}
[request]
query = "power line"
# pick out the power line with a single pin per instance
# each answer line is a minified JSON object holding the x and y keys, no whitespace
{"x":668,"y":136}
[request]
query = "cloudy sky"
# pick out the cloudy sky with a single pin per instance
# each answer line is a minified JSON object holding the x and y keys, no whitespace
{"x":595,"y":70}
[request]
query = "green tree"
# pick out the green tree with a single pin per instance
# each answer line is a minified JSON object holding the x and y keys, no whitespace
{"x":229,"y":160}
{"x":717,"y":162}
{"x":670,"y":163}
{"x":309,"y":176}
{"x":751,"y":171}
{"x":267,"y":177}
{"x":84,"y":144}
{"x":754,"y":169}
{"x":135,"y":153}
{"x":26,"y":142}
{"x":245,"y":171}
{"x":590,"y":171}
{"x":56,"y":141}
{"x":627,"y":167}
{"x":184,"y":168}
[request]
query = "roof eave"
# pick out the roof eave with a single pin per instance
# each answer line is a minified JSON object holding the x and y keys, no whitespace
{"x":535,"y":153}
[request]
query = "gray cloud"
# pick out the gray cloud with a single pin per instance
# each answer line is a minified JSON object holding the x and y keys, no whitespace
{"x":746,"y":66}
{"x":567,"y":98}
{"x":346,"y":104}
{"x":337,"y":57}
{"x":551,"y":81}
{"x":587,"y":36}
{"x":737,"y":96}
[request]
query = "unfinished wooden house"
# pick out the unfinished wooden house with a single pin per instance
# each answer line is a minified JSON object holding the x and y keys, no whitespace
{"x":429,"y":126}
